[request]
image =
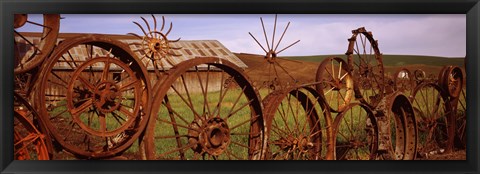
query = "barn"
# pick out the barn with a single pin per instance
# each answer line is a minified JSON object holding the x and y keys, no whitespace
{"x":189,"y":50}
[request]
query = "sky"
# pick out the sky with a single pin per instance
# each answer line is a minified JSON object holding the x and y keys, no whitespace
{"x":319,"y":34}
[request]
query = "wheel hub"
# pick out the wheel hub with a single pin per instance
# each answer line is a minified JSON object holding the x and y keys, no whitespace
{"x":213,"y":137}
{"x":106,"y":97}
{"x":290,"y":143}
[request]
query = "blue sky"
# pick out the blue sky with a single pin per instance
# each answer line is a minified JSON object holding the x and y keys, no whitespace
{"x":410,"y":34}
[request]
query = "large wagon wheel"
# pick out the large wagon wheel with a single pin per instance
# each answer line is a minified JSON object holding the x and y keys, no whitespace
{"x":29,"y":53}
{"x":355,"y":133}
{"x":335,"y":83}
{"x":366,"y":64}
{"x":298,"y":125}
{"x":94,"y":105}
{"x":198,"y":114}
{"x":29,"y":141}
{"x":404,"y":81}
{"x":434,"y":117}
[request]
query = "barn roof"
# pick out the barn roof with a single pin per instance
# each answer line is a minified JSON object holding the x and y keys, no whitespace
{"x":189,"y":49}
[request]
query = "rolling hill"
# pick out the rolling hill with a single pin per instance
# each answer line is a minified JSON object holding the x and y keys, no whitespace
{"x":303,"y":68}
{"x":394,"y":60}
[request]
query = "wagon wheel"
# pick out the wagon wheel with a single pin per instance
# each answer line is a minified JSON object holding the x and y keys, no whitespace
{"x":400,"y":137}
{"x":335,"y":83}
{"x":298,"y":124}
{"x":277,"y":75}
{"x":156,"y":49}
{"x":30,"y":53}
{"x":355,"y":133}
{"x":197,"y":117}
{"x":404,"y":81}
{"x":94,"y":105}
{"x":366,"y":64}
{"x":29,"y":142}
{"x":434,"y":115}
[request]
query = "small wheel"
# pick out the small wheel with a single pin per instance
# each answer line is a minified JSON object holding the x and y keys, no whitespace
{"x":452,"y":81}
{"x":29,"y":141}
{"x":298,"y":124}
{"x":195,"y":116}
{"x":366,"y":65}
{"x":419,"y":75}
{"x":404,"y":81}
{"x":434,"y":117}
{"x":355,"y":133}
{"x":113,"y":101}
{"x":156,"y":47}
{"x":30,"y":53}
{"x":335,"y":83}
{"x":95,"y":105}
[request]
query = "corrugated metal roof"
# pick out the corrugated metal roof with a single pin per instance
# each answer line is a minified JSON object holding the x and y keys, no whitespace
{"x":189,"y":49}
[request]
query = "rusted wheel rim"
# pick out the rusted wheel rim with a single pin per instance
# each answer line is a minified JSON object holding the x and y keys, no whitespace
{"x":336,"y":83}
{"x":403,"y":128}
{"x":419,"y":75}
{"x":366,"y":64}
{"x":197,"y":117}
{"x":57,"y":104}
{"x":404,"y":81}
{"x":298,"y":124}
{"x":35,"y":52}
{"x":434,"y":115}
{"x":461,"y":119}
{"x":355,"y":133}
{"x":452,"y":81}
{"x":29,"y":142}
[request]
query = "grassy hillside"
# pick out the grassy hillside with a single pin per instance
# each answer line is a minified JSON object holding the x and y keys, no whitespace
{"x":395,"y":60}
{"x":304,"y":68}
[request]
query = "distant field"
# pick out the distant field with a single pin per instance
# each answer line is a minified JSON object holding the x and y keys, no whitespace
{"x":395,"y":60}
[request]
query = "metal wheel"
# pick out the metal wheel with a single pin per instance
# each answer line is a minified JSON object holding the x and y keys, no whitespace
{"x":155,"y":47}
{"x":277,"y":76}
{"x":452,"y":81}
{"x":355,"y":133}
{"x":335,"y":83}
{"x":366,"y":64}
{"x":30,"y":53}
{"x":404,"y":81}
{"x":461,"y":119}
{"x":398,"y":128}
{"x":95,"y":106}
{"x":197,"y":115}
{"x":434,"y":117}
{"x":29,"y":141}
{"x":420,"y":76}
{"x":298,"y":124}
